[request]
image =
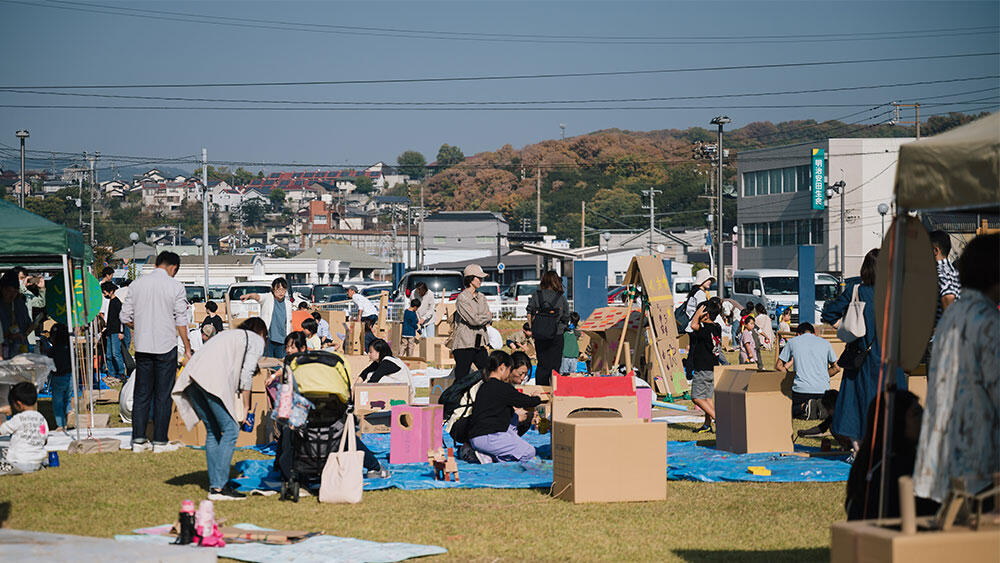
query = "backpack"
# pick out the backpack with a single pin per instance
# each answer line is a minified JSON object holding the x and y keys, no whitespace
{"x":458,"y":421}
{"x":681,"y":315}
{"x":545,"y":321}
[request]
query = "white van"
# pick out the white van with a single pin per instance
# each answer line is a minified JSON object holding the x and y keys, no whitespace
{"x":518,"y":294}
{"x":780,"y":288}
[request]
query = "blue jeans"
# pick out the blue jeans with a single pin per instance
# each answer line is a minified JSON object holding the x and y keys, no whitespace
{"x":275,"y":350}
{"x":62,"y":394}
{"x":221,"y":431}
{"x":154,"y":380}
{"x":127,"y":341}
{"x":116,"y":364}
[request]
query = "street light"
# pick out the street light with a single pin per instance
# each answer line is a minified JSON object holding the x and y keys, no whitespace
{"x":720,"y":121}
{"x":22,"y":135}
{"x":838,"y":188}
{"x":883,"y":208}
{"x":606,"y":237}
{"x":134,"y":237}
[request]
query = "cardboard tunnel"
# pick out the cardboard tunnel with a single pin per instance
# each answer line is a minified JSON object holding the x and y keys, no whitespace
{"x":579,"y":396}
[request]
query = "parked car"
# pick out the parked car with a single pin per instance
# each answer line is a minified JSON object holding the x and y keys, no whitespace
{"x":329,"y":293}
{"x":217,"y":292}
{"x":780,"y":288}
{"x":442,"y":282}
{"x":303,"y":290}
{"x":492,"y":292}
{"x":375,"y":290}
{"x":518,"y":295}
{"x":243,"y":309}
{"x":195,"y":293}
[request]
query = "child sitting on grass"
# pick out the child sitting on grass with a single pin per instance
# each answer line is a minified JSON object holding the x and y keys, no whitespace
{"x":28,"y":430}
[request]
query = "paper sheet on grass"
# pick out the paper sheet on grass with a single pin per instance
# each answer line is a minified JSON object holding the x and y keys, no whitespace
{"x":315,"y":549}
{"x":59,"y":441}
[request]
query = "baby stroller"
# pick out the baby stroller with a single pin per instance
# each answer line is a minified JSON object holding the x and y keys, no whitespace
{"x":322,"y":378}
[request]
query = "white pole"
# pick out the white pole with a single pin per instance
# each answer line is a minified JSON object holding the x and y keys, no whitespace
{"x":74,"y":369}
{"x":204,"y":214}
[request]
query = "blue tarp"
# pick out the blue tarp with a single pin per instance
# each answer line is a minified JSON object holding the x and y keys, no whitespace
{"x":685,"y":461}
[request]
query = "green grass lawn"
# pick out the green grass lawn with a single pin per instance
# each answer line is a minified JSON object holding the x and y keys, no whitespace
{"x":106,"y":494}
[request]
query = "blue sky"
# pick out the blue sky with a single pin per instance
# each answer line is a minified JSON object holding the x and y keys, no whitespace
{"x":53,"y":46}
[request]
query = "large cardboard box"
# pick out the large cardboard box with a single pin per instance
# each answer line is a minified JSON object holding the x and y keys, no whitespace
{"x":374,"y":421}
{"x":444,"y":312}
{"x":365,"y":394}
{"x":261,"y":434}
{"x":435,"y":351}
{"x":414,"y":431}
{"x":354,"y":343}
{"x":438,"y":385}
{"x":414,"y":363}
{"x":199,"y":313}
{"x":395,"y":336}
{"x":356,"y":363}
{"x":753,"y":411}
{"x":265,"y":366}
{"x":609,"y":460}
{"x":864,"y":541}
{"x":575,"y":395}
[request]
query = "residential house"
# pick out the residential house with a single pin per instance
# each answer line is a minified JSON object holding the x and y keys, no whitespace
{"x":464,"y":235}
{"x":115,"y":189}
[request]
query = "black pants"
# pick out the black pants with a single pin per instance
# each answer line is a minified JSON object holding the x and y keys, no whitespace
{"x":799,"y":401}
{"x":549,"y":353}
{"x":465,"y":357}
{"x":154,"y":380}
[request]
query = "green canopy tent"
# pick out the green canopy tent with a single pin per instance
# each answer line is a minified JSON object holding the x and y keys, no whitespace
{"x":31,"y":240}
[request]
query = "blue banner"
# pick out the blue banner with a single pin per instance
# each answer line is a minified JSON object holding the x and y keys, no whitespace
{"x":818,"y":179}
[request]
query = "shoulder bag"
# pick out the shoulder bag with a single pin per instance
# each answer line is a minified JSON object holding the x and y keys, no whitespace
{"x":341,"y":481}
{"x":852,"y":325}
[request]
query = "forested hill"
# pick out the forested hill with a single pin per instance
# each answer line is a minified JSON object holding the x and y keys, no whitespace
{"x":608,"y":169}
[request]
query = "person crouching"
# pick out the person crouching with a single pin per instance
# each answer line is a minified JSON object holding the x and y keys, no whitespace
{"x":493,"y":424}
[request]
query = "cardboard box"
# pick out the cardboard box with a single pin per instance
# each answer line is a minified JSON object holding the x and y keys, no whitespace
{"x":261,"y":434}
{"x":574,"y":395}
{"x":609,"y":460}
{"x":199,"y":313}
{"x":356,"y":363}
{"x":374,"y":421}
{"x":444,"y":312}
{"x":863,"y":541}
{"x":435,"y":351}
{"x":644,"y":400}
{"x":264,"y":370}
{"x":917,"y":384}
{"x":415,"y":430}
{"x":298,"y":316}
{"x":367,"y":393}
{"x":354,"y":343}
{"x":438,"y":385}
{"x":414,"y":363}
{"x":753,"y":413}
{"x":395,"y":336}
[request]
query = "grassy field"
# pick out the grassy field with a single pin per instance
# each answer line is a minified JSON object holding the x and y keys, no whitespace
{"x":106,"y":494}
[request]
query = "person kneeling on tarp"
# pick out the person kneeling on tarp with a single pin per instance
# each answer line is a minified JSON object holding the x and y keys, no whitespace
{"x":493,"y":424}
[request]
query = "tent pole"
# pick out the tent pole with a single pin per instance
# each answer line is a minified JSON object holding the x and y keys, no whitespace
{"x":891,"y":341}
{"x":91,"y":351}
{"x":71,"y":324}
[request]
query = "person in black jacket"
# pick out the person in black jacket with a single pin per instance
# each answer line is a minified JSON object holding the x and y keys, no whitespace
{"x":493,"y":423}
{"x":212,"y":317}
{"x":113,"y":335}
{"x":548,"y":309}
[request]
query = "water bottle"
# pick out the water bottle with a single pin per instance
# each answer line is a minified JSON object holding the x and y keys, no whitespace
{"x":53,"y":459}
{"x":249,"y":420}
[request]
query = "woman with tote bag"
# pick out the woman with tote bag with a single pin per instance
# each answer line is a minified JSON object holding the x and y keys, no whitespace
{"x":214,"y":387}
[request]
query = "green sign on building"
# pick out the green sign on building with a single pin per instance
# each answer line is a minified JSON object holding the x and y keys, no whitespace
{"x":818,"y":179}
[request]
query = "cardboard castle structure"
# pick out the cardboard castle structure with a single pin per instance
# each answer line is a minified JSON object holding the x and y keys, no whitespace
{"x":640,"y":336}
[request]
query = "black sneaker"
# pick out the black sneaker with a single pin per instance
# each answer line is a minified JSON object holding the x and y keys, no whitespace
{"x":705,"y":429}
{"x":225,"y":493}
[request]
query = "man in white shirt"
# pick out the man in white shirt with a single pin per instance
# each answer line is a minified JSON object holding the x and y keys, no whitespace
{"x":156,"y":309}
{"x":366,"y":309}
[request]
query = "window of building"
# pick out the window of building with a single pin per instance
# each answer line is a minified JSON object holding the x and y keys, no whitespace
{"x":440,"y":240}
{"x":319,"y":219}
{"x":802,"y":231}
{"x":774,"y":233}
{"x":788,"y":234}
{"x":804,"y":177}
{"x":485,"y":240}
{"x":775,"y":175}
{"x":817,"y":231}
{"x":748,"y":235}
{"x":788,"y":177}
{"x":749,"y":184}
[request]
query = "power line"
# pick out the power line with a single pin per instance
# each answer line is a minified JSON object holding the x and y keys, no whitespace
{"x":410,"y":33}
{"x":517,"y":102}
{"x":504,"y":77}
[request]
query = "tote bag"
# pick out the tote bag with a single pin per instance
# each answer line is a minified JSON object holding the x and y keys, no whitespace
{"x":341,"y":479}
{"x":852,"y":326}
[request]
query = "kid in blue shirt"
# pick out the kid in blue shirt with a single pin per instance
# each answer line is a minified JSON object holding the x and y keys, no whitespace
{"x":409,"y":333}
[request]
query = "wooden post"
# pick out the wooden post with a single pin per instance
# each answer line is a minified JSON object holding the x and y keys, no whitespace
{"x":621,"y":339}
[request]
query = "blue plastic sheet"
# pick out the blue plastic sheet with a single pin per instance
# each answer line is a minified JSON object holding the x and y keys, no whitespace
{"x":685,"y":461}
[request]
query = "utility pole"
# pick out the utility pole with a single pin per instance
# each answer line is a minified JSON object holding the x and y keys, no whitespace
{"x":93,"y":199}
{"x":721,"y":121}
{"x":423,"y":214}
{"x":204,"y":213}
{"x":583,"y":224}
{"x":22,"y":135}
{"x":916,"y":121}
{"x":79,"y":208}
{"x":538,"y":217}
{"x":652,"y":214}
{"x":409,"y":222}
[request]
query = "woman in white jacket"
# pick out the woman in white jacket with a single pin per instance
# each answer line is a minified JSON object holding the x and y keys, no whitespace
{"x":207,"y":390}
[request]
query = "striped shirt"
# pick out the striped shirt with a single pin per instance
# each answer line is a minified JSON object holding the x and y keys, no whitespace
{"x":948,"y":284}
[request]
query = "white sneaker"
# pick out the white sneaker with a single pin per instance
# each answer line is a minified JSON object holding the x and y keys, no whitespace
{"x":168,"y":447}
{"x":139,"y":447}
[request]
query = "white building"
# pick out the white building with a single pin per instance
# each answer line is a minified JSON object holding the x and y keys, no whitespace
{"x":775,"y":205}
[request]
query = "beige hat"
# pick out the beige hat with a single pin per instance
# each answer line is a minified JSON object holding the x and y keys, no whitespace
{"x":702,"y":276}
{"x":474,"y":270}
{"x":208,"y":330}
